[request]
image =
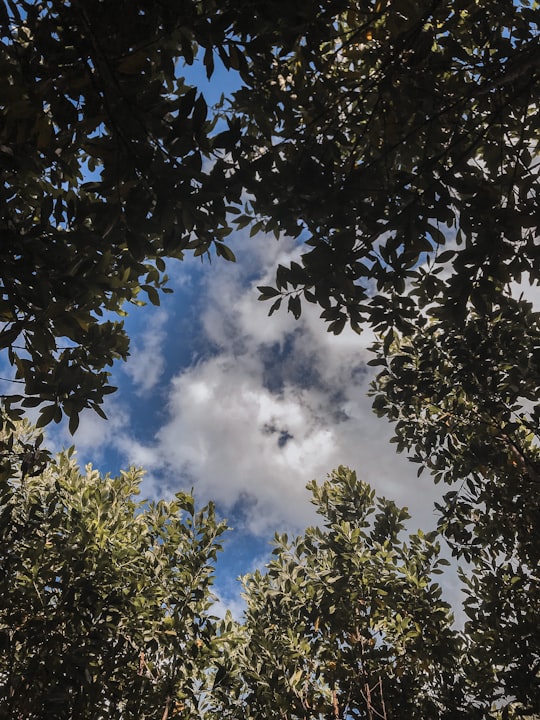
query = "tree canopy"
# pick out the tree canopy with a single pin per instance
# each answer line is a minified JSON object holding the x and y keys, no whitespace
{"x":401,"y":145}
{"x":378,"y":133}
{"x":347,"y":621}
{"x":107,"y":168}
{"x":464,"y":400}
{"x":399,"y":128}
{"x":105,"y":606}
{"x":106,"y":611}
{"x":397,"y":140}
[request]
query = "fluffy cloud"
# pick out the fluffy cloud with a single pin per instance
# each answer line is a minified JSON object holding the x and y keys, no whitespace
{"x":270,"y":404}
{"x":146,"y":362}
{"x":247,"y":409}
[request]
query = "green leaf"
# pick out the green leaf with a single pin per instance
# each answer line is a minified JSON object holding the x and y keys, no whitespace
{"x":275,"y":306}
{"x":225,"y":252}
{"x":73,"y":422}
{"x":200,"y":111}
{"x":152,"y":294}
{"x":295,"y":306}
{"x":46,"y":415}
{"x":267,"y":292}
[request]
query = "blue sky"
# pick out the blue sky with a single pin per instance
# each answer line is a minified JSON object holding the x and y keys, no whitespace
{"x":244,"y":408}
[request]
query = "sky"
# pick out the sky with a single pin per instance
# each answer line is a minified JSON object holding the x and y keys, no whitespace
{"x":245,"y":409}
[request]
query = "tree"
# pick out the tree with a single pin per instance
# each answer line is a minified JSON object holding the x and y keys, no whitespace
{"x":464,"y":403}
{"x":401,"y":129}
{"x":105,"y":599}
{"x":398,"y":128}
{"x":347,"y":621}
{"x":111,"y":163}
{"x":106,"y":605}
{"x":108,"y":167}
{"x":380,"y":132}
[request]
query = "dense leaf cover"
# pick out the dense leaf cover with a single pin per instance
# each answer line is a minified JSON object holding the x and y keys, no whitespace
{"x":106,"y":611}
{"x":347,"y":621}
{"x":104,"y":599}
{"x":399,"y":128}
{"x":464,"y":400}
{"x":398,"y":139}
{"x":379,"y":132}
{"x":107,"y":168}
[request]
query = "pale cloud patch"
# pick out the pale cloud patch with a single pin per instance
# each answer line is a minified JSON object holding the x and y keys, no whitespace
{"x":271,"y":404}
{"x":95,"y":435}
{"x":146,"y":362}
{"x":528,"y":290}
{"x":234,"y":439}
{"x":231,"y":312}
{"x":229,"y":602}
{"x":275,"y":403}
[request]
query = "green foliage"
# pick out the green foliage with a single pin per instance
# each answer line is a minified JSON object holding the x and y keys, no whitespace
{"x":105,"y":599}
{"x":108,"y":168}
{"x":347,"y":621}
{"x":400,"y":140}
{"x":382,"y":134}
{"x":464,"y":399}
{"x":106,"y":604}
{"x":379,"y":131}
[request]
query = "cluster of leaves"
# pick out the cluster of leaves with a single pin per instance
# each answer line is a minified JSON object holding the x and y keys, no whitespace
{"x":347,"y":622}
{"x":388,"y":132}
{"x":381,"y":131}
{"x":402,"y":128}
{"x":378,"y":131}
{"x":464,"y":399}
{"x":105,"y":600}
{"x":106,"y":606}
{"x":109,"y":165}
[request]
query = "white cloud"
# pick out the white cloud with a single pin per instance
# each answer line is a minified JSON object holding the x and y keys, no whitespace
{"x":146,"y":362}
{"x":270,"y":404}
{"x":94,"y":436}
{"x":273,"y":404}
{"x":229,"y":602}
{"x":224,"y":432}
